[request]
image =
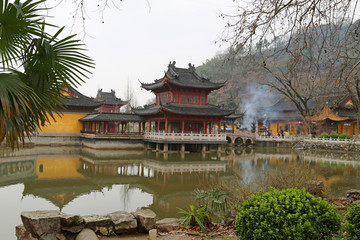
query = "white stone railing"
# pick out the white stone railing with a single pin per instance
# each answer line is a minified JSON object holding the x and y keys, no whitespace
{"x":285,"y":138}
{"x":308,"y":139}
{"x":330,"y":140}
{"x":202,"y":137}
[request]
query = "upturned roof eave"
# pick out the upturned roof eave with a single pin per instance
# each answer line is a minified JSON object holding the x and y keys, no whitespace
{"x":196,"y":114}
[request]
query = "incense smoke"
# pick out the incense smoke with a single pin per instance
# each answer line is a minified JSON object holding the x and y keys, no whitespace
{"x":254,"y":106}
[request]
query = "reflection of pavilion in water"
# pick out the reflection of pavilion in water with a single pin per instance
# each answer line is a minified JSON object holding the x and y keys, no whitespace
{"x":62,"y":178}
{"x":13,"y":169}
{"x":170,"y":182}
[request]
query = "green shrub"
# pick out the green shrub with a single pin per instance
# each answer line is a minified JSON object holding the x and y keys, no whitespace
{"x":334,"y":135}
{"x":324,"y":135}
{"x":286,"y":214}
{"x":194,"y":217}
{"x":344,"y":136}
{"x":352,"y":221}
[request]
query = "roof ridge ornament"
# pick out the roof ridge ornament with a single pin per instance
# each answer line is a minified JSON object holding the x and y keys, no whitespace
{"x":171,"y":70}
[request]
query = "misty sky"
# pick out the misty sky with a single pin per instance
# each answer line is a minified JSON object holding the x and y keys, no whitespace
{"x":138,"y":39}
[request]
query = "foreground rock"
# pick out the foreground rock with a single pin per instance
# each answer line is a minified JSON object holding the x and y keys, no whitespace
{"x":168,"y":225}
{"x":124,"y":222}
{"x":72,"y":223}
{"x":42,"y":223}
{"x":146,"y":219}
{"x":99,"y":223}
{"x":87,"y":234}
{"x":23,"y":234}
{"x":315,"y":188}
{"x":353,"y":195}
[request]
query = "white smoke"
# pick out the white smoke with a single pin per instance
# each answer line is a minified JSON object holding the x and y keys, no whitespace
{"x":254,"y":106}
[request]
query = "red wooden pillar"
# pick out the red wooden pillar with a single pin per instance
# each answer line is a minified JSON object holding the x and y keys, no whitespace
{"x":139,"y":128}
{"x":210,"y":129}
{"x":150,"y":126}
{"x":204,"y":128}
{"x":125,"y":126}
{"x":143,"y":126}
{"x":158,"y":125}
{"x":219,"y":127}
{"x":166,"y":125}
{"x":183,"y":125}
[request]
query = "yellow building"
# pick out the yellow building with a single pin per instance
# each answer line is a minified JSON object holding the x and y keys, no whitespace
{"x":284,"y":117}
{"x":68,"y":124}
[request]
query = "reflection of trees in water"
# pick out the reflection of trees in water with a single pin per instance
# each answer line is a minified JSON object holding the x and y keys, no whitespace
{"x":335,"y":169}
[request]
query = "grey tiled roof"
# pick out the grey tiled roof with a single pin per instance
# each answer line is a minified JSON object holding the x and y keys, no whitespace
{"x":153,"y":109}
{"x":80,"y":100}
{"x":112,"y":117}
{"x":284,"y":105}
{"x":185,"y":77}
{"x":109,"y":98}
{"x":198,"y":110}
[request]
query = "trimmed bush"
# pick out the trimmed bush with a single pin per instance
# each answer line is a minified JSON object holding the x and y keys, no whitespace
{"x":324,"y":135}
{"x":344,"y":136}
{"x":334,"y":135}
{"x":352,"y":221}
{"x":286,"y":214}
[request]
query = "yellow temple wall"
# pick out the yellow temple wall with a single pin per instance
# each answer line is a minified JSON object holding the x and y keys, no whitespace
{"x":275,"y":127}
{"x":58,"y":168}
{"x":349,"y":128}
{"x":67,"y":123}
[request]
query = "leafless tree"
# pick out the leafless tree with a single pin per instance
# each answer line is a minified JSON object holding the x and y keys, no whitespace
{"x":318,"y":39}
{"x":130,"y":97}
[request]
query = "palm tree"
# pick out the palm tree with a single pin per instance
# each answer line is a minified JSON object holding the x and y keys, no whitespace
{"x":34,"y":67}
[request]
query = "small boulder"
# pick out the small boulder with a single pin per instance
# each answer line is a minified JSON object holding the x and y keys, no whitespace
{"x":53,"y":236}
{"x":23,"y":234}
{"x":146,"y":219}
{"x":41,"y":223}
{"x":353,"y":195}
{"x":315,"y":188}
{"x":86,"y":234}
{"x":123,"y":222}
{"x":167,"y":225}
{"x":69,"y":220}
{"x":72,"y":223}
{"x":152,"y":234}
{"x":94,"y":222}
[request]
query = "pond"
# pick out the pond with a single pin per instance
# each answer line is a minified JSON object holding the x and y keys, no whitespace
{"x":86,"y":181}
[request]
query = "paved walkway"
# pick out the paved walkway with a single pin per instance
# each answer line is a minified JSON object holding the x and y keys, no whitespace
{"x":178,"y":236}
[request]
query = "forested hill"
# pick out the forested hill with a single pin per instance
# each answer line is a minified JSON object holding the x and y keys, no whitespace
{"x":240,"y":76}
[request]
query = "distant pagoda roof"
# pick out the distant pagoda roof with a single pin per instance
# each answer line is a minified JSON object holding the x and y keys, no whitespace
{"x":326,"y":113}
{"x":112,"y":117}
{"x":109,"y":98}
{"x":196,"y":110}
{"x":184,"y":77}
{"x":72,"y":97}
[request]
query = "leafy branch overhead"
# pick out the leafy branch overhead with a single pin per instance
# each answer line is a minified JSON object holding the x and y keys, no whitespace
{"x":35,"y":66}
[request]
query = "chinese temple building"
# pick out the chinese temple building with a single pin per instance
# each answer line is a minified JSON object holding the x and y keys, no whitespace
{"x":111,"y":103}
{"x":339,"y":116}
{"x":182,"y":113}
{"x":77,"y":106}
{"x":327,"y":121}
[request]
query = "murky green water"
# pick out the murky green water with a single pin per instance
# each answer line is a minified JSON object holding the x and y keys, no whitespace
{"x":87,"y":181}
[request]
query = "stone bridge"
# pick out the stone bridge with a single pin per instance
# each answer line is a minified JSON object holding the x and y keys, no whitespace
{"x":240,"y":138}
